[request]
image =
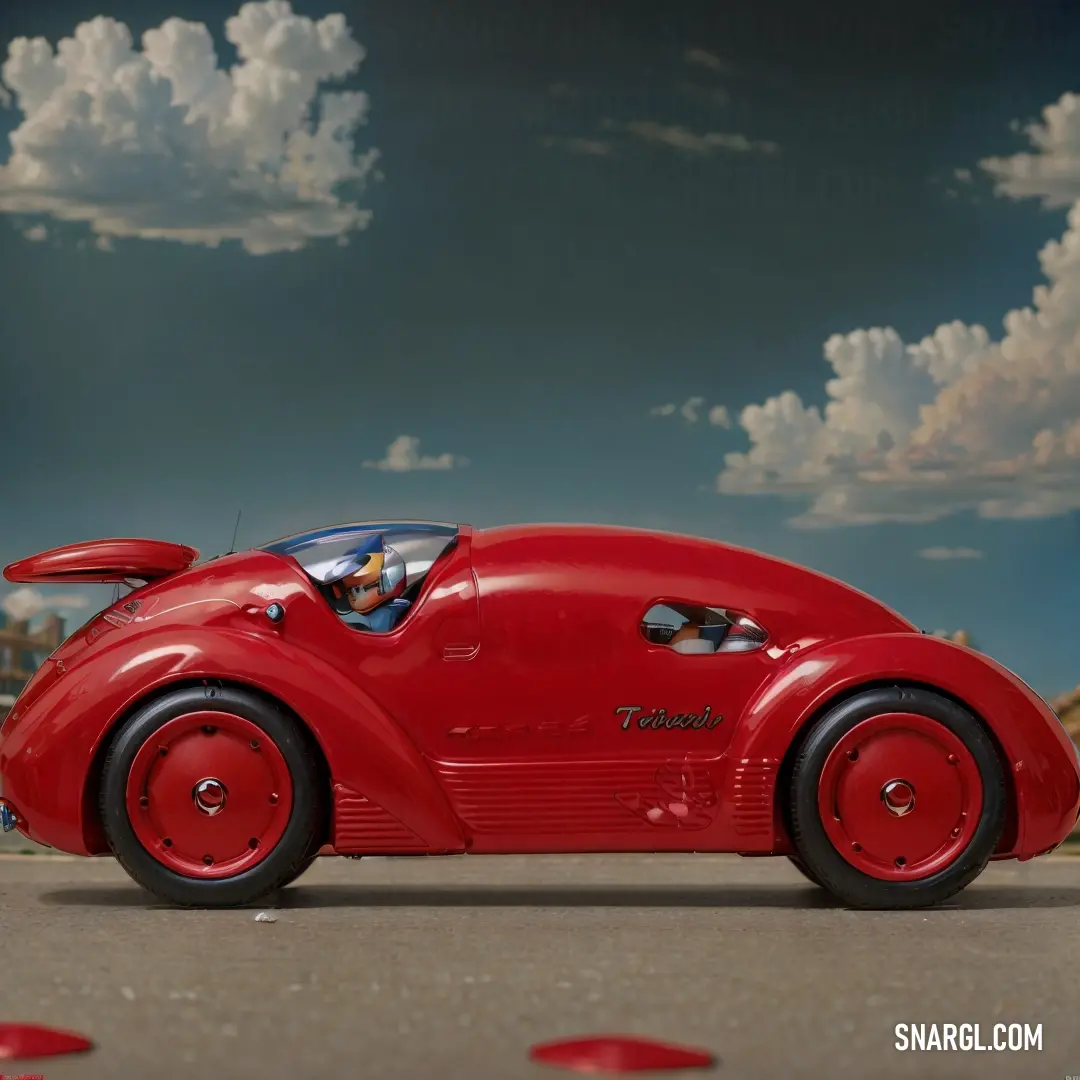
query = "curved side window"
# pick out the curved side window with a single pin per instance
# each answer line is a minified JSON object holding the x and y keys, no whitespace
{"x":695,"y":629}
{"x":369,"y":577}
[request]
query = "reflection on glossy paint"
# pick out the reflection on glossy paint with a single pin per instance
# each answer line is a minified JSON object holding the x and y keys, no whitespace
{"x":526,"y":580}
{"x":180,"y":653}
{"x":802,"y":672}
{"x":158,"y":612}
{"x":278,"y":591}
{"x":459,"y":588}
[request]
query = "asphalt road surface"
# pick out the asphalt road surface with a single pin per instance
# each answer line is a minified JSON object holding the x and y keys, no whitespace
{"x":451,"y":968}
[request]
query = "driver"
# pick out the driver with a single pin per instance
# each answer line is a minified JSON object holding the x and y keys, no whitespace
{"x":701,"y":633}
{"x":366,"y":587}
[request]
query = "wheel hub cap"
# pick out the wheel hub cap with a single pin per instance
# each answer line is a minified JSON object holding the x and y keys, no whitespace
{"x":867,"y":796}
{"x":898,"y":797}
{"x":210,"y":796}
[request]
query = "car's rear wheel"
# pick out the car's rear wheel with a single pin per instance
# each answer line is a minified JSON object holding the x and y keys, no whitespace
{"x":211,"y":797}
{"x":897,"y":799}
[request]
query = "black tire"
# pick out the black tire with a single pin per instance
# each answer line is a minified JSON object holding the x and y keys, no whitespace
{"x":804,"y":870}
{"x":290,"y":857}
{"x":305,"y":866}
{"x":815,"y":850}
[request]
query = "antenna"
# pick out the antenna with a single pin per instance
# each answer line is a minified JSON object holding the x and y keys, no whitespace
{"x":235,"y":532}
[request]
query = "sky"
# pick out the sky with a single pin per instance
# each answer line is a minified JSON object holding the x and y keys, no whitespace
{"x":797,"y":277}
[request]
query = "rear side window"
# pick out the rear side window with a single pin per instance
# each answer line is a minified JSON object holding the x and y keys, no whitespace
{"x":701,"y":630}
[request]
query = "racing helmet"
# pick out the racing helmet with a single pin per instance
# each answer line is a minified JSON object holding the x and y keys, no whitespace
{"x":374,"y":566}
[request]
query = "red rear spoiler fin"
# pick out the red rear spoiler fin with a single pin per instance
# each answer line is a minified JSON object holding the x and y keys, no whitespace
{"x":104,"y":561}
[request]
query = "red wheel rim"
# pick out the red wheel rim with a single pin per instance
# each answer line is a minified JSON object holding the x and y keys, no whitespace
{"x":209,"y":795}
{"x":900,"y":797}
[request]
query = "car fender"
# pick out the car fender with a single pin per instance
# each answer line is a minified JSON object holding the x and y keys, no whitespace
{"x":47,"y":757}
{"x":1039,"y":756}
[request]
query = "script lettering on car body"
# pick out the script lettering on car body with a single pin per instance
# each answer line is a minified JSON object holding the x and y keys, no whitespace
{"x":661,"y":720}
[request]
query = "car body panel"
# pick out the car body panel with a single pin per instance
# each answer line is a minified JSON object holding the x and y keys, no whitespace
{"x":1036,"y":749}
{"x":518,"y":706}
{"x":210,"y":626}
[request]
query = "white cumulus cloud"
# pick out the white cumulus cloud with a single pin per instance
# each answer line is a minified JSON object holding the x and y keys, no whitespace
{"x":957,"y":421}
{"x":692,"y":142}
{"x":690,"y":411}
{"x":403,"y":455}
{"x":945,"y":554}
{"x":719,"y":416}
{"x":1051,"y":172}
{"x":705,"y":59}
{"x":161,"y":142}
{"x":26,"y":603}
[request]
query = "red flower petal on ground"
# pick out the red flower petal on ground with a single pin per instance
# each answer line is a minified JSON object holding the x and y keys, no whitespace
{"x":619,"y":1054}
{"x":34,"y":1041}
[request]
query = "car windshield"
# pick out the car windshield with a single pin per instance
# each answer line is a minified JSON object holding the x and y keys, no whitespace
{"x":419,"y":543}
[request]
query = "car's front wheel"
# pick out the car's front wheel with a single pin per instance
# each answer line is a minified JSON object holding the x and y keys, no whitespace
{"x":897,"y":799}
{"x":211,"y":797}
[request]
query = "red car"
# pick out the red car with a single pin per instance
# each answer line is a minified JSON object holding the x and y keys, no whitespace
{"x":532,"y":689}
